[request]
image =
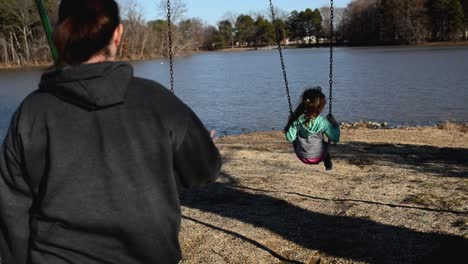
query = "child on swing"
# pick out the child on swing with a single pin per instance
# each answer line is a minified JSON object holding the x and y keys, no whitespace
{"x":306,"y":127}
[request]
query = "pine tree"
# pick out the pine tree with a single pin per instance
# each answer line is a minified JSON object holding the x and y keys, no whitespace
{"x":456,"y":19}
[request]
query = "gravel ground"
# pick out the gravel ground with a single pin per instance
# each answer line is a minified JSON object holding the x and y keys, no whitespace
{"x":393,"y":196}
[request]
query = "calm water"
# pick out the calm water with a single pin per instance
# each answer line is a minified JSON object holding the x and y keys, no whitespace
{"x":244,"y":91}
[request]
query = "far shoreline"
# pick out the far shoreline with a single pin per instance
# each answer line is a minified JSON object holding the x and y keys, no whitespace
{"x":46,"y":65}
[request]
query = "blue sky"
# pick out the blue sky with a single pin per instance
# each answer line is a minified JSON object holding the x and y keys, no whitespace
{"x":211,"y":11}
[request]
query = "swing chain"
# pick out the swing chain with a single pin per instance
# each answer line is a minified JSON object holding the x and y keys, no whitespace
{"x":169,"y":35}
{"x":332,"y":29}
{"x":280,"y":50}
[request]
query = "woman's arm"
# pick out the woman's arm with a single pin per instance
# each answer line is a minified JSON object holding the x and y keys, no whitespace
{"x":197,"y":159}
{"x":15,"y":200}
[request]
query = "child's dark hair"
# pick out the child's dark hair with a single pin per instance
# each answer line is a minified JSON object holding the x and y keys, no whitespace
{"x":310,"y":105}
{"x":84,"y":28}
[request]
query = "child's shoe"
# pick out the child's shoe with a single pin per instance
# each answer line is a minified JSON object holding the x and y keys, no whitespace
{"x":328,"y":163}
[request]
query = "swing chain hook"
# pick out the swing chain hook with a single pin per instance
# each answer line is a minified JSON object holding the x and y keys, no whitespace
{"x":332,"y":29}
{"x":169,"y":35}
{"x":280,"y":50}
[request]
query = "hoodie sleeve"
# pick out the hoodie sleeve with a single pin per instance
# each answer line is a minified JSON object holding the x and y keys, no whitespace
{"x":15,"y":200}
{"x":197,"y":160}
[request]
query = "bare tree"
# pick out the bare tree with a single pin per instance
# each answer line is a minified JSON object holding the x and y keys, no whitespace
{"x":280,"y":14}
{"x":5,"y":54}
{"x":158,"y":38}
{"x":21,"y":16}
{"x":133,"y":38}
{"x":178,"y":11}
{"x":22,"y":38}
{"x":337,"y":19}
{"x":198,"y":32}
{"x":411,"y":20}
{"x":325,"y":12}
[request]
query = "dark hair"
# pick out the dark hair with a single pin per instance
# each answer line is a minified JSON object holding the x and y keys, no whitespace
{"x":310,"y":105}
{"x":84,"y":28}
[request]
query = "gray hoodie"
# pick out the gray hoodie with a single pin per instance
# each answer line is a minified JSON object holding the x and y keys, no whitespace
{"x":91,"y":168}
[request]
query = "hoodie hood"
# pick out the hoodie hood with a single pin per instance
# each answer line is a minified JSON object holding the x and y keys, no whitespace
{"x":90,"y":86}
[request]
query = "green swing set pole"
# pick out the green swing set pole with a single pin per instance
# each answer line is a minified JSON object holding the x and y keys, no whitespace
{"x":47,"y":28}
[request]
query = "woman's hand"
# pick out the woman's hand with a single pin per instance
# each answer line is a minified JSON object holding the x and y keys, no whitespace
{"x":214,"y":138}
{"x":213,"y":135}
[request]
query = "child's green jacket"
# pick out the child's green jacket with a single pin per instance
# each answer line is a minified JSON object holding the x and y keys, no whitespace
{"x":320,"y":124}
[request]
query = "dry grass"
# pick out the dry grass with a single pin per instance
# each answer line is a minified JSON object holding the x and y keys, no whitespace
{"x":394,"y":196}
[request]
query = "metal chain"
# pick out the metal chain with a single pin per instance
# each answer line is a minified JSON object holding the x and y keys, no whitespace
{"x":332,"y":29}
{"x":280,"y":50}
{"x":169,"y":34}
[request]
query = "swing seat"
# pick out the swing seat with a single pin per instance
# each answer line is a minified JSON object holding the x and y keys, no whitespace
{"x":315,"y":161}
{"x":310,"y":150}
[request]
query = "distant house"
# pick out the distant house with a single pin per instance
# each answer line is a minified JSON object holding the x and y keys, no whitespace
{"x":311,"y":39}
{"x":305,"y":40}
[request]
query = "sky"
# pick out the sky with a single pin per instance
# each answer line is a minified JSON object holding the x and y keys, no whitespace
{"x":212,"y":11}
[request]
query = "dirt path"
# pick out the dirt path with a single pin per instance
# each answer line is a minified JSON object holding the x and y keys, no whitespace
{"x":394,"y":196}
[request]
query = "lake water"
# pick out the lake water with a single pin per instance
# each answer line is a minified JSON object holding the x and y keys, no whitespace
{"x":237,"y":92}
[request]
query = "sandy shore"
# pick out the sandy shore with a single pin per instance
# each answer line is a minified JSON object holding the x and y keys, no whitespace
{"x":394,"y":196}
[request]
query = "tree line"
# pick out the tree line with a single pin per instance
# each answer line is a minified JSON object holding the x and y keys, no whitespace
{"x":302,"y":27}
{"x":375,"y":22}
{"x":362,"y":22}
{"x":22,"y":40}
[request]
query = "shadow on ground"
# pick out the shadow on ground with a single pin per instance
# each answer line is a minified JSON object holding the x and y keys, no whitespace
{"x":340,"y":236}
{"x":440,"y":161}
{"x":443,"y":162}
{"x":355,"y":201}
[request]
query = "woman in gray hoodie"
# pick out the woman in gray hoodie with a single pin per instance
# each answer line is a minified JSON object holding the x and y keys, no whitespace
{"x":92,"y":164}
